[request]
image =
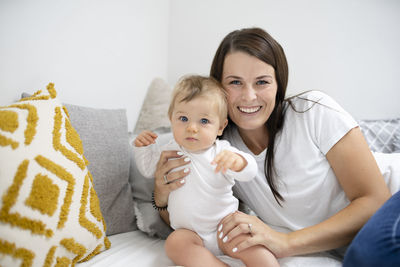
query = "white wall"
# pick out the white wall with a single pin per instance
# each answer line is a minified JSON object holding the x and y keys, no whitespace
{"x":105,"y":53}
{"x":99,"y":53}
{"x":347,"y":48}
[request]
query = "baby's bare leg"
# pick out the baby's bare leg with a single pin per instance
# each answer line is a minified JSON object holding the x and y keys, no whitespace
{"x":185,"y":247}
{"x":256,"y":256}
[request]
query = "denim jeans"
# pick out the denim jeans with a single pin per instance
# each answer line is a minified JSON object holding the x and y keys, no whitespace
{"x":378,"y":242}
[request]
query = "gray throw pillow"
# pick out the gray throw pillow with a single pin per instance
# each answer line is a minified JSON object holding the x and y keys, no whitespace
{"x":104,"y":134}
{"x":382,"y":135}
{"x":148,"y":219}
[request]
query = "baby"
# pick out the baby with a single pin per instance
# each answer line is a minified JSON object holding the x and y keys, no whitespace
{"x":198,"y":115}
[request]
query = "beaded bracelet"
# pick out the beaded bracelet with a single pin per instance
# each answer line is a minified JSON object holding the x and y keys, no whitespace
{"x":153,"y":202}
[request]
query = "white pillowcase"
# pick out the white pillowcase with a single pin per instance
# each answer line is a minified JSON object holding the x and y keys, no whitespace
{"x":49,"y":210}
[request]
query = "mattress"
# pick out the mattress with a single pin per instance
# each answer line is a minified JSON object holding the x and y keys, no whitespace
{"x":138,"y":249}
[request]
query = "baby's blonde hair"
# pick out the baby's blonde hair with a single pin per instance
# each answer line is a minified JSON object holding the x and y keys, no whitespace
{"x":190,"y":87}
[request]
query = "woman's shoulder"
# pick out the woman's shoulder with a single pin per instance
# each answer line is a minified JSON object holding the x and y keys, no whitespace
{"x":305,"y":101}
{"x":307,"y":96}
{"x":315,"y":109}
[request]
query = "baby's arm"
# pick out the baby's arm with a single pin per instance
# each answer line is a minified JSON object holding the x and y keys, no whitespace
{"x":145,"y":138}
{"x":146,"y":153}
{"x":237,"y":164}
{"x":229,"y":160}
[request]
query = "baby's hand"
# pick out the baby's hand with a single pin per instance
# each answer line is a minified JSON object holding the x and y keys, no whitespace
{"x":229,"y":160}
{"x":145,"y":138}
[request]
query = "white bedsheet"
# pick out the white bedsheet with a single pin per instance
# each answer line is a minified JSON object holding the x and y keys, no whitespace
{"x":137,"y":249}
{"x":131,"y":249}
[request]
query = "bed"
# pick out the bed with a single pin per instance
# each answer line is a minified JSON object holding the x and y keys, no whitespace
{"x":137,"y":249}
{"x":134,"y":234}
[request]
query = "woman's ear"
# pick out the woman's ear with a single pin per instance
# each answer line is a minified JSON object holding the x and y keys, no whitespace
{"x":222,"y":127}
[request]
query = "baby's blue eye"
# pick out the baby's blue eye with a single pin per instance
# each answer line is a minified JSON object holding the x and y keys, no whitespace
{"x":235,"y":82}
{"x":183,"y":118}
{"x":204,"y":121}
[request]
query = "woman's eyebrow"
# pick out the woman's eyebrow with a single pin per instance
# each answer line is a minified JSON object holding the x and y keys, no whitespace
{"x":232,"y":77}
{"x":257,"y":78}
{"x":263,"y":77}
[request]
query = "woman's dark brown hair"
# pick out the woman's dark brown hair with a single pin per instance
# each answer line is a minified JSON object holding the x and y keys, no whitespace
{"x":258,"y":43}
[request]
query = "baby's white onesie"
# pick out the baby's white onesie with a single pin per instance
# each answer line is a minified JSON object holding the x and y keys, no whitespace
{"x":206,"y":198}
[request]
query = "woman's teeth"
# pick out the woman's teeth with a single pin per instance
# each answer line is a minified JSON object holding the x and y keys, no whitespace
{"x":249,"y":110}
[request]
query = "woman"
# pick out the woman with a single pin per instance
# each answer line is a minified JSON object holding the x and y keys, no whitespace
{"x":318,"y":182}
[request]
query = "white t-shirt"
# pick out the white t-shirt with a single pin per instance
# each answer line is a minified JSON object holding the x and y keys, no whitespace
{"x":305,"y":178}
{"x":207,"y":197}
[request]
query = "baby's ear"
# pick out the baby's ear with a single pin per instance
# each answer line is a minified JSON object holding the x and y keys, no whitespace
{"x":222,"y":127}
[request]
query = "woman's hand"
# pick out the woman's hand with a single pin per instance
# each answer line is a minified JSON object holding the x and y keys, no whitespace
{"x":166,"y":181}
{"x":258,"y":233}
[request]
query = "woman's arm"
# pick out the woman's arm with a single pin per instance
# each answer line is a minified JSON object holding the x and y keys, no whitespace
{"x":168,"y":161}
{"x":361,"y":180}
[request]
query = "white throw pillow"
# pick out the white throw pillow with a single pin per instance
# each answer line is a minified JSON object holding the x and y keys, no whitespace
{"x":49,"y":210}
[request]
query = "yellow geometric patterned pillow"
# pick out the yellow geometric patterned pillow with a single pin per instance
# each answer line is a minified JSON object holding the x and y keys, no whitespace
{"x":49,"y":210}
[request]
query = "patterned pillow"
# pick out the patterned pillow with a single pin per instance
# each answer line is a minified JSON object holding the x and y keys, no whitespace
{"x":105,"y":140}
{"x":49,"y":210}
{"x":382,"y":135}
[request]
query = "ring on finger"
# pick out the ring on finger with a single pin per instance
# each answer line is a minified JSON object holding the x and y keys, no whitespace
{"x":165,"y":179}
{"x":250,"y":230}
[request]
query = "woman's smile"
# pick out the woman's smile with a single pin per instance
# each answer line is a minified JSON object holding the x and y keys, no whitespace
{"x":249,"y":109}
